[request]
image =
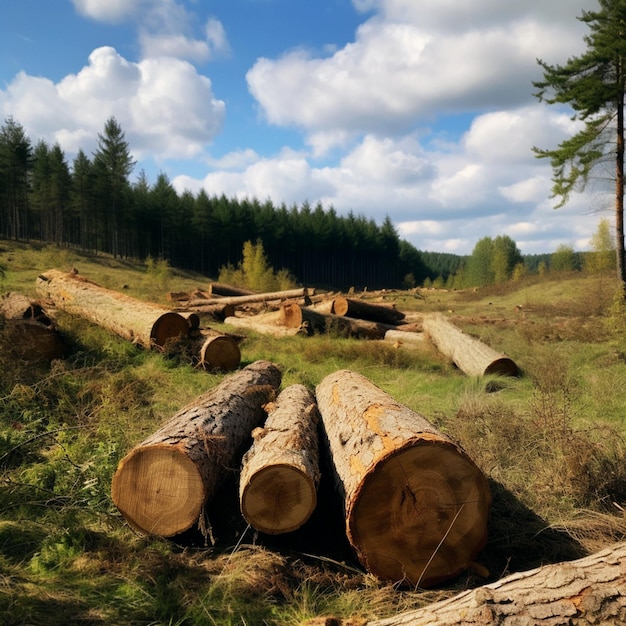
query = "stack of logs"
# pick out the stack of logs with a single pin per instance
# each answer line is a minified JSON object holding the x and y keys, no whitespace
{"x":415,"y":504}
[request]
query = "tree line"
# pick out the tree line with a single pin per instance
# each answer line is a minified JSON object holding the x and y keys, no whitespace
{"x":92,"y":205}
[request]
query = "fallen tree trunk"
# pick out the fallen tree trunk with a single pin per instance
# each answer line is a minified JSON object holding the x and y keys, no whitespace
{"x":266,"y":324}
{"x":256,"y":297}
{"x":215,"y":351}
{"x":591,"y":590}
{"x":222,"y":289}
{"x":162,"y":485}
{"x":216,"y":310}
{"x":401,"y":338}
{"x":280,"y":472}
{"x":140,"y":322}
{"x":470,"y":355}
{"x":28,"y":333}
{"x":350,"y":307}
{"x":416,"y":506}
{"x":296,"y":316}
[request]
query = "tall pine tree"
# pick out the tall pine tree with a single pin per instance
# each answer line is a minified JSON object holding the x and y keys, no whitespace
{"x":593,"y":84}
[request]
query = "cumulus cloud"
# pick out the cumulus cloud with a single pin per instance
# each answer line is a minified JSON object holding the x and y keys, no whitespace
{"x":164,"y":106}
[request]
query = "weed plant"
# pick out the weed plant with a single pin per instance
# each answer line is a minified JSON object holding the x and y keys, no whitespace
{"x":551,"y":443}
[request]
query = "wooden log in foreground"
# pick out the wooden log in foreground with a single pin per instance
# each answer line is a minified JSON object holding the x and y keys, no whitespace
{"x":28,"y":333}
{"x":214,"y":351}
{"x":415,"y":504}
{"x":280,"y":472}
{"x":351,"y":307}
{"x":162,"y":485}
{"x":141,"y":322}
{"x":470,"y":355}
{"x":591,"y":590}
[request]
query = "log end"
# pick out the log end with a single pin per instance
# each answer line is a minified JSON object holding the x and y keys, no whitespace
{"x":278,"y":499}
{"x":420,"y":518}
{"x":220,"y":353}
{"x":168,"y":326}
{"x":32,"y":341}
{"x":158,"y":490}
{"x":503,"y":366}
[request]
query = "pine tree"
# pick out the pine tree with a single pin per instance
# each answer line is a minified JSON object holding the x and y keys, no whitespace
{"x":593,"y":84}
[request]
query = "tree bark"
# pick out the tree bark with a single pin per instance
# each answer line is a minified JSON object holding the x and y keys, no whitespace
{"x":222,"y":289}
{"x":256,"y":297}
{"x":470,"y":355}
{"x":140,"y":322}
{"x":416,"y":506}
{"x":215,"y":309}
{"x":280,"y":472}
{"x":296,"y":316}
{"x":28,"y":333}
{"x":591,"y":590}
{"x":404,"y":338}
{"x":215,"y":351}
{"x":163,"y":484}
{"x":350,"y":307}
{"x":266,"y":324}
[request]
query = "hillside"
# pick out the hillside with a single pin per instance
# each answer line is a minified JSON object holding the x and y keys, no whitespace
{"x":551,"y":443}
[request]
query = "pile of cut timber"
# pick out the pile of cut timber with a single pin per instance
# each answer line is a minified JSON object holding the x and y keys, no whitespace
{"x":143,"y":323}
{"x":415,"y":506}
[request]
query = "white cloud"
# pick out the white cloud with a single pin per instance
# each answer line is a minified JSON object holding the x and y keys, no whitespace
{"x":108,"y":11}
{"x":164,"y":106}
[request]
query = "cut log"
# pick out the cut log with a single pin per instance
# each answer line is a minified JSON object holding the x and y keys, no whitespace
{"x":216,"y":310}
{"x":315,"y":322}
{"x":162,"y":485}
{"x":280,"y":472}
{"x":140,"y":322}
{"x":403,"y":338}
{"x":266,"y":324}
{"x":350,"y":307}
{"x":470,"y":355}
{"x":256,"y":297}
{"x":591,"y":590}
{"x":222,"y":289}
{"x":214,"y":351}
{"x":416,"y":506}
{"x":28,"y":333}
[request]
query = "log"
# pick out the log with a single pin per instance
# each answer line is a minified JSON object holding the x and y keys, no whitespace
{"x":162,"y":485}
{"x":296,"y":316}
{"x":222,"y":289}
{"x":280,"y":472}
{"x":141,"y":322}
{"x":214,"y":351}
{"x":416,"y":506}
{"x":266,"y":324}
{"x":256,"y":297}
{"x":216,"y":310}
{"x":350,"y":307}
{"x":591,"y":590}
{"x":470,"y":355}
{"x":28,"y":333}
{"x":403,"y":338}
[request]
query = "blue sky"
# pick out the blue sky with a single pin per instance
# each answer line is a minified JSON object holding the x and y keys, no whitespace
{"x":422,"y":111}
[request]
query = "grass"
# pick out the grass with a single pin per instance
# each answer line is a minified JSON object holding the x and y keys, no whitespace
{"x":551,"y":442}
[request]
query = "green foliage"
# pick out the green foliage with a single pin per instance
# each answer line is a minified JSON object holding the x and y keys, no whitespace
{"x":602,"y":255}
{"x":254,"y":271}
{"x":492,"y":261}
{"x":563,"y":259}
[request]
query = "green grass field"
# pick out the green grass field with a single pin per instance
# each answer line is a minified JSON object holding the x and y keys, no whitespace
{"x":551,"y":442}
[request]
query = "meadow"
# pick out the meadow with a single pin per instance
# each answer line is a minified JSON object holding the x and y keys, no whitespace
{"x":552,"y":443}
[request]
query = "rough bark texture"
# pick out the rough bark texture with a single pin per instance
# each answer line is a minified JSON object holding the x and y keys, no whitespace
{"x":315,"y":322}
{"x":28,"y":333}
{"x":215,"y":309}
{"x":416,"y":506}
{"x":215,"y":351}
{"x":591,"y":590}
{"x":162,"y":485}
{"x":266,"y":324}
{"x":141,"y":322}
{"x":280,"y":472}
{"x":402,"y":338}
{"x":360,"y":309}
{"x":470,"y":355}
{"x":256,"y":297}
